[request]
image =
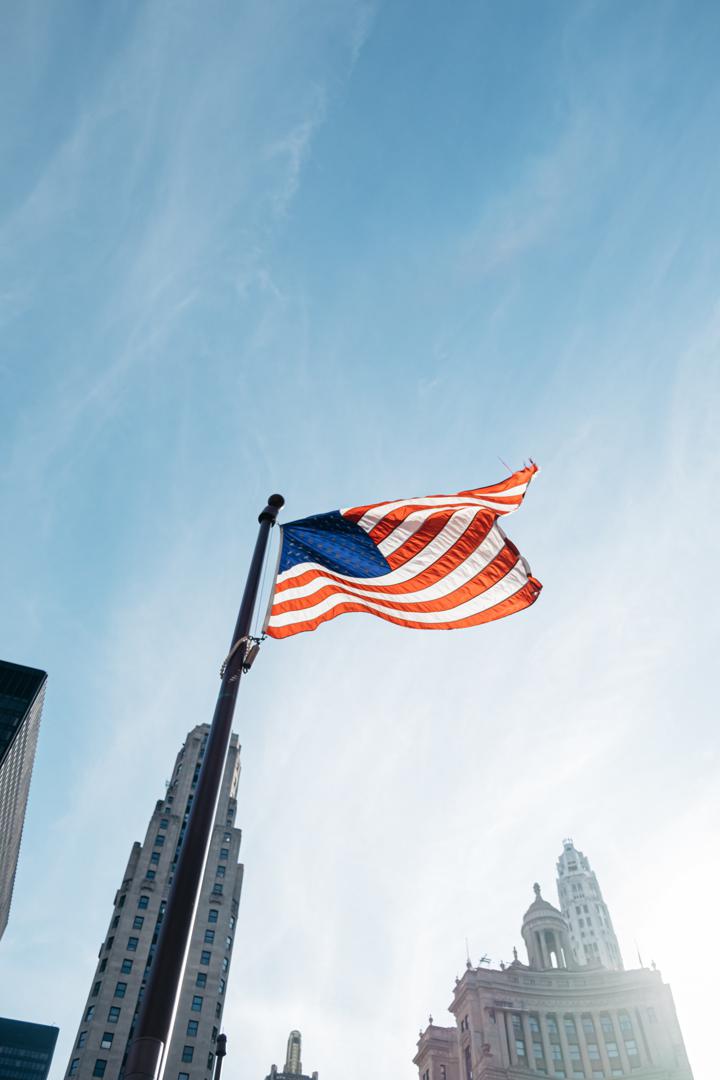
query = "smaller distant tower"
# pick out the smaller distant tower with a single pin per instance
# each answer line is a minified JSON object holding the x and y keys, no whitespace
{"x":293,"y":1062}
{"x":592,"y":935}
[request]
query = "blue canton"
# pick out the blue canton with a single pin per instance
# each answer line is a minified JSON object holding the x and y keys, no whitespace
{"x":335,"y":543}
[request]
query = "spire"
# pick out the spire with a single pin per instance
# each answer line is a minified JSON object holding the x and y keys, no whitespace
{"x":592,"y":935}
{"x":293,"y":1064}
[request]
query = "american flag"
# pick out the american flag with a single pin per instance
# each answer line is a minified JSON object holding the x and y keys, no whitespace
{"x":435,"y":563}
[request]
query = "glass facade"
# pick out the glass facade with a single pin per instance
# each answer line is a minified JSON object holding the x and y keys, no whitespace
{"x":26,"y":1050}
{"x":22,"y":691}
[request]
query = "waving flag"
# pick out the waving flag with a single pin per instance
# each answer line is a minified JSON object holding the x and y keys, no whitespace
{"x":438,"y":563}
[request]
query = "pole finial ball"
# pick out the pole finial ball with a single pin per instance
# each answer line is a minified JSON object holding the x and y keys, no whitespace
{"x":277,"y":501}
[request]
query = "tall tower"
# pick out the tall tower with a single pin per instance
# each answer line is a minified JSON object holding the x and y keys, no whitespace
{"x":581,"y":902}
{"x":127,"y":951}
{"x":22,"y":692}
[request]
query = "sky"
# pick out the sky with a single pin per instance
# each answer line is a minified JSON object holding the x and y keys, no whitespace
{"x":354,"y":251}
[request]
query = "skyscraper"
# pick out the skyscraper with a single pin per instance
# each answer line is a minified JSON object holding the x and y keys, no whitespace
{"x":292,"y":1069}
{"x":584,"y":910}
{"x":126,"y":953}
{"x":26,"y":1050}
{"x":22,"y":692}
{"x":559,"y":1015}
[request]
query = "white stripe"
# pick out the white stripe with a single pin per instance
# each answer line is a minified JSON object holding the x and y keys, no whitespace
{"x":448,"y":535}
{"x":370,"y":519}
{"x":404,"y":531}
{"x":468,"y":569}
{"x":513,"y":581}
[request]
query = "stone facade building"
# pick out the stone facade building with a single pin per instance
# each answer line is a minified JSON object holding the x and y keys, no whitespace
{"x":22,"y":692}
{"x":125,"y":954}
{"x":569,"y":1012}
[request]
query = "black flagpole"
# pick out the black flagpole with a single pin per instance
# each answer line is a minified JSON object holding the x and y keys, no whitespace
{"x":148,"y":1051}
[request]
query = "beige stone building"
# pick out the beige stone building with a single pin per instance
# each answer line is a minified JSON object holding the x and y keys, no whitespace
{"x":565,"y":1013}
{"x":126,"y":952}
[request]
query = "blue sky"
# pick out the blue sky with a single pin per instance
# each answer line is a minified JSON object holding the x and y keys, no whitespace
{"x":355,"y":251}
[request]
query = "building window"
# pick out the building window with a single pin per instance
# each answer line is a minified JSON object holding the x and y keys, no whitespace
{"x":100,"y":1067}
{"x":196,"y":1004}
{"x":132,"y":944}
{"x":217,"y":889}
{"x":225,"y":963}
{"x":192,"y":1028}
{"x":90,"y":1012}
{"x":213,"y":914}
{"x":214,"y":1034}
{"x":103,"y":965}
{"x":82,"y":1039}
{"x":74,"y":1066}
{"x":232,"y":922}
{"x":106,"y":1041}
{"x":220,"y":872}
{"x":115,"y":922}
{"x":155,"y":858}
{"x":143,"y":902}
{"x":109,"y":944}
{"x":221,"y":986}
{"x":468,"y":1064}
{"x":211,"y":1058}
{"x":227,"y":837}
{"x":163,"y":823}
{"x":120,"y":989}
{"x":209,"y":937}
{"x":159,"y":840}
{"x":138,"y":922}
{"x":218,"y":1009}
{"x":652,"y":1015}
{"x":150,"y":875}
{"x":205,"y":956}
{"x":187,"y":1053}
{"x":224,"y":853}
{"x":228,"y":942}
{"x":183,"y":1076}
{"x":126,"y":966}
{"x":113,"y":1014}
{"x":201,"y":979}
{"x":96,"y":989}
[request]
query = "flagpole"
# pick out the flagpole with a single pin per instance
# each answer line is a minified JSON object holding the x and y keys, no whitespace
{"x":147,"y":1053}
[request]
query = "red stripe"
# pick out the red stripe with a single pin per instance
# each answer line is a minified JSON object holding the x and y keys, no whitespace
{"x":501,"y":565}
{"x":523,"y":598}
{"x":493,"y":492}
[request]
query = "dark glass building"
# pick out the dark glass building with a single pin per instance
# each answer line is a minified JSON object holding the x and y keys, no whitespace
{"x":22,"y":691}
{"x":26,"y":1050}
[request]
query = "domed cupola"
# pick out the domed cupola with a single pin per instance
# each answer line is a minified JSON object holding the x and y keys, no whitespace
{"x":546,"y":936}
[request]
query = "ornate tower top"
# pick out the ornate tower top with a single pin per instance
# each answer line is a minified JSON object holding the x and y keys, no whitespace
{"x":292,"y":1070}
{"x":546,"y":935}
{"x":591,"y":931}
{"x":293,"y":1064}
